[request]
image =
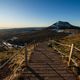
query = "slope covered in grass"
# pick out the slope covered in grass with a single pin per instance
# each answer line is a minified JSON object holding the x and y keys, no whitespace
{"x":74,"y":39}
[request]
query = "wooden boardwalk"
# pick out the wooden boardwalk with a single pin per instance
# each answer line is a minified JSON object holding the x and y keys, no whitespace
{"x":46,"y":64}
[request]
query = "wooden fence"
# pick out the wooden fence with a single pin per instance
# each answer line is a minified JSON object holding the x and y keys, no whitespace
{"x":26,"y":51}
{"x":29,"y":48}
{"x":71,"y":52}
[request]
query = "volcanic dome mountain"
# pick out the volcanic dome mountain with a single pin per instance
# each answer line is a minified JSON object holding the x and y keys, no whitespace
{"x":63,"y":25}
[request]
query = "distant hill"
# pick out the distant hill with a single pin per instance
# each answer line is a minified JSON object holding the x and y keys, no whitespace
{"x":21,"y":30}
{"x":9,"y":33}
{"x":63,"y":25}
{"x":39,"y":33}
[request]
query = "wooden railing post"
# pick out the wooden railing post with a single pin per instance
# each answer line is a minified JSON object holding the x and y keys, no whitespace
{"x":70,"y":54}
{"x":26,"y":55}
{"x":34,"y":44}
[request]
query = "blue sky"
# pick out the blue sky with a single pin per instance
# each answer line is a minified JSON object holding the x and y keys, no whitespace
{"x":38,"y":13}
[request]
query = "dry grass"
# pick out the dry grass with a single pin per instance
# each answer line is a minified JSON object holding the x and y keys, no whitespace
{"x":72,"y":39}
{"x":5,"y":55}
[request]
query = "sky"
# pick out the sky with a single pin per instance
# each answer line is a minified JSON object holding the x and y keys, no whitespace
{"x":38,"y":13}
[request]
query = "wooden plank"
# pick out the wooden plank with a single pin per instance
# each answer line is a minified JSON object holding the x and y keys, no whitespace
{"x":70,"y":54}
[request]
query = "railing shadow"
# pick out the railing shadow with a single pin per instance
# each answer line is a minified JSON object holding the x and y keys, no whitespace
{"x":37,"y":75}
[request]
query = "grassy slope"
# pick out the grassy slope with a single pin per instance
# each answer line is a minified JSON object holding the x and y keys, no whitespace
{"x":72,"y":39}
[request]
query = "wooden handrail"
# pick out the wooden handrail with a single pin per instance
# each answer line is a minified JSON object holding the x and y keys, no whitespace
{"x":66,"y":45}
{"x":66,"y":56}
{"x":26,"y":59}
{"x":61,"y":43}
{"x":10,"y":58}
{"x":14,"y":55}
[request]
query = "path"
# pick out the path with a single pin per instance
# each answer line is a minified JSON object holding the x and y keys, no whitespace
{"x":46,"y":64}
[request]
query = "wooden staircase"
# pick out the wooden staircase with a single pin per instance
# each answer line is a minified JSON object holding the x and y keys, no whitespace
{"x":46,"y":65}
